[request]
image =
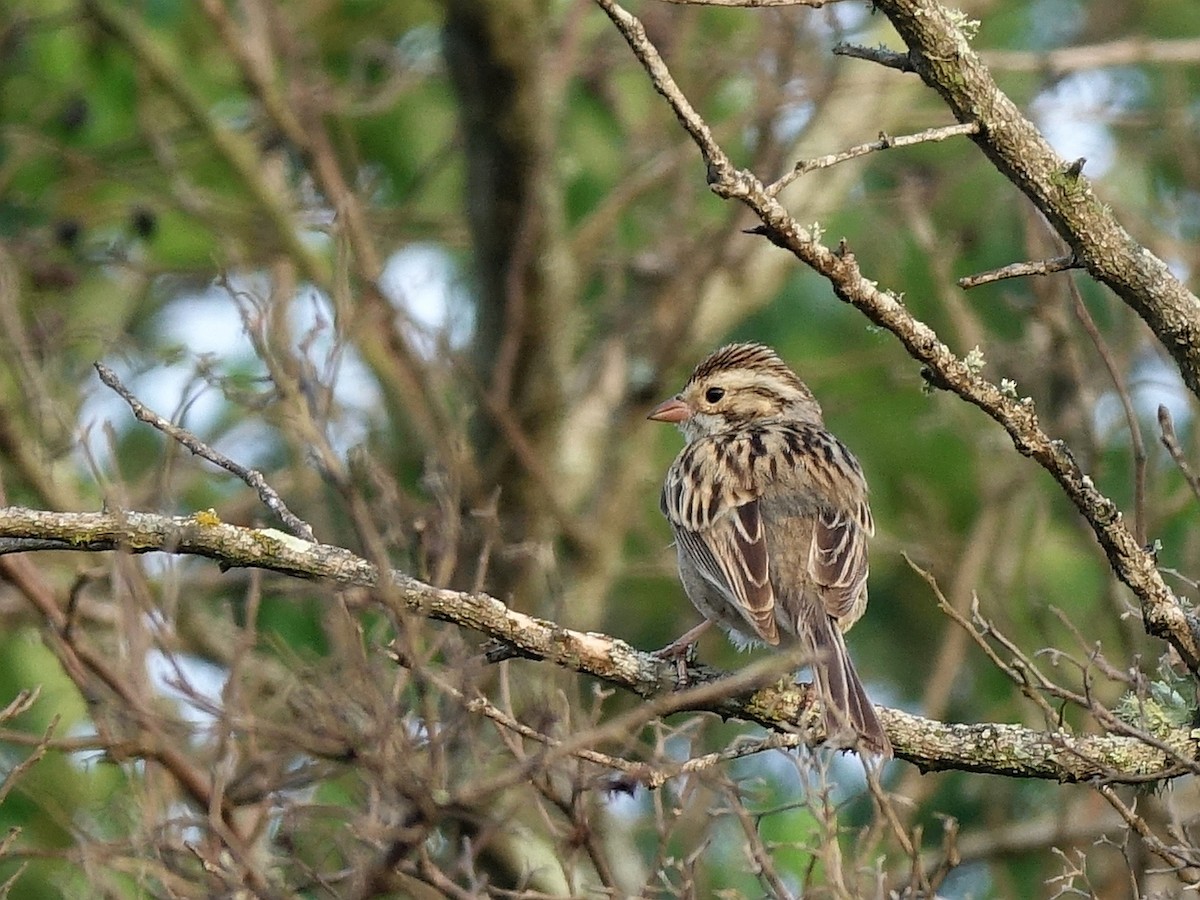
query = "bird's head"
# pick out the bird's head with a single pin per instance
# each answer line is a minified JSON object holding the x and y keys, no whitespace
{"x":735,"y":386}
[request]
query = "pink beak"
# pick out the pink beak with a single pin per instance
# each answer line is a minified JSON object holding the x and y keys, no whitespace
{"x":673,"y":411}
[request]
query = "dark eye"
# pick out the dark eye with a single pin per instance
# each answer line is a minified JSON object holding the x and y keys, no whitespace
{"x":713,"y":394}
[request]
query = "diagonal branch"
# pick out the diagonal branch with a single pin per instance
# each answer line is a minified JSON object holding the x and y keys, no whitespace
{"x":252,"y":477}
{"x":940,"y":54}
{"x":988,"y":748}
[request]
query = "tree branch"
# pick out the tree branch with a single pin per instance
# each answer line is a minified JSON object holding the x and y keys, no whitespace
{"x":252,"y":477}
{"x":1020,"y":270}
{"x":885,"y":142}
{"x":1163,"y":614}
{"x":987,"y":748}
{"x":940,"y":54}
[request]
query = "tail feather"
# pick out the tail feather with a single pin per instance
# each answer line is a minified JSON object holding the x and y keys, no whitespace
{"x":844,"y":701}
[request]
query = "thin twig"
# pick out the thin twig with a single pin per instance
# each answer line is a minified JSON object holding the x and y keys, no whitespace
{"x":950,"y":857}
{"x":889,"y":58}
{"x":1017,"y":676}
{"x":888,"y":810}
{"x":1132,"y":678}
{"x":14,"y":773}
{"x":755,"y":848}
{"x":1023,"y":669}
{"x":651,"y":777}
{"x":252,"y":477}
{"x":707,"y":694}
{"x":1131,"y":419}
{"x":20,"y":704}
{"x":8,"y":883}
{"x":486,"y":708}
{"x":885,"y":142}
{"x":233,"y":147}
{"x":90,"y":669}
{"x":1021,"y":270}
{"x":1171,"y":441}
{"x":946,"y":62}
{"x":290,"y":107}
{"x":1184,"y":861}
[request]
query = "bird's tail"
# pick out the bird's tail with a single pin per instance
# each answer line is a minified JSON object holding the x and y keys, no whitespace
{"x":844,"y":700}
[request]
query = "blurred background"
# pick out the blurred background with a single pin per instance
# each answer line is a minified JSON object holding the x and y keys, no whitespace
{"x":427,"y":265}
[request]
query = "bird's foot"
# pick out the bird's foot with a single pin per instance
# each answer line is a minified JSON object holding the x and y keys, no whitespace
{"x":682,"y":651}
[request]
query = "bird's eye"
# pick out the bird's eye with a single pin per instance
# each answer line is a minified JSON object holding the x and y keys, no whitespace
{"x":713,"y":394}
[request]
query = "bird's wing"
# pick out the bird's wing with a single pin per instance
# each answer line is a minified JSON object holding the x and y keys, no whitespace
{"x":718,"y":525}
{"x":837,"y":559}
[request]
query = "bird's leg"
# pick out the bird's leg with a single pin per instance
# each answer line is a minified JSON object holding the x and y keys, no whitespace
{"x":682,"y":645}
{"x":682,"y":649}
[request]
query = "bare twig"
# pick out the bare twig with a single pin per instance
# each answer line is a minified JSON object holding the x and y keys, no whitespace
{"x":703,"y":693}
{"x":652,"y":777}
{"x":486,"y":708}
{"x":1063,"y":826}
{"x":885,"y":142}
{"x":889,"y":58}
{"x":1025,"y":673}
{"x":252,"y":477}
{"x":1021,"y":270}
{"x":1131,"y":678}
{"x":763,"y":860}
{"x":1184,"y":860}
{"x":233,"y":148}
{"x":1171,"y":442}
{"x":1131,"y":419}
{"x":93,"y":674}
{"x":510,"y":429}
{"x":14,"y":773}
{"x":1018,"y":676}
{"x":887,"y":811}
{"x":20,"y":704}
{"x":8,"y":884}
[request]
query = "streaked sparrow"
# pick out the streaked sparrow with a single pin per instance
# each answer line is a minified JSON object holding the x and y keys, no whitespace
{"x":771,"y":523}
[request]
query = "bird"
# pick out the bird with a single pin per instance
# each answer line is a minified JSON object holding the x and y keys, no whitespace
{"x":771,"y":520}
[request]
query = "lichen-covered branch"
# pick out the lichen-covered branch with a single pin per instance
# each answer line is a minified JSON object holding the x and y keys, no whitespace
{"x":939,"y":52}
{"x":988,"y":748}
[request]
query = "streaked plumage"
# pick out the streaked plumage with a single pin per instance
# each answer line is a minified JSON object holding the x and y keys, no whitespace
{"x":771,"y":521}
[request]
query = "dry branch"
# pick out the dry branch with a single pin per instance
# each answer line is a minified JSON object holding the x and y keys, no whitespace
{"x":1020,"y":270}
{"x":988,"y":748}
{"x":252,"y":477}
{"x":1171,"y":441}
{"x":885,"y":142}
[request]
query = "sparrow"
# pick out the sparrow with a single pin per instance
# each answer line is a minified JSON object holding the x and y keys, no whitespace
{"x":771,"y":522}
